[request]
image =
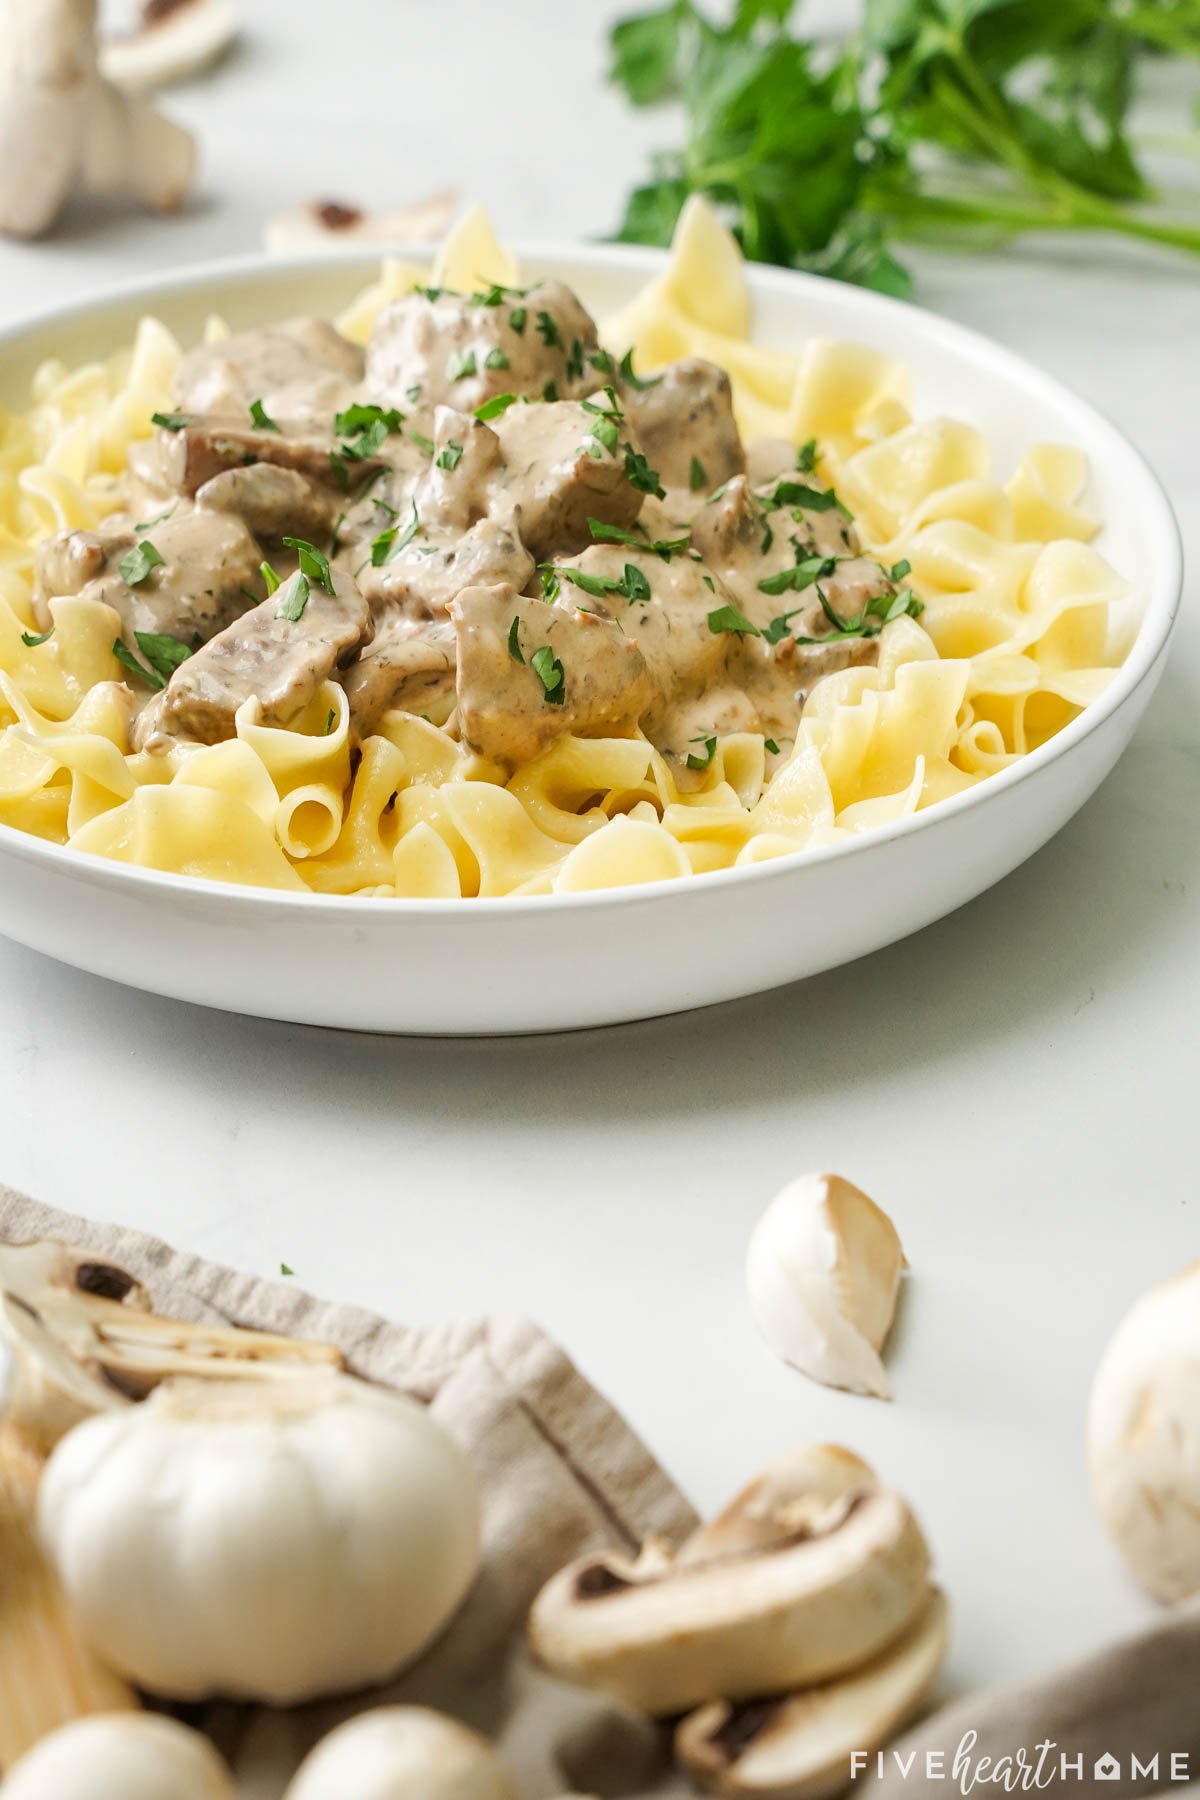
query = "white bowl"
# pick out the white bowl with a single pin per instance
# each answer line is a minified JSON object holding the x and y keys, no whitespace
{"x":485,"y":966}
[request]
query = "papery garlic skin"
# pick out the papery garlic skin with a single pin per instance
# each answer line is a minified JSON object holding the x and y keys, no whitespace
{"x":271,"y":1539}
{"x":1144,"y":1438}
{"x":823,"y":1270}
{"x":398,"y":1753}
{"x":121,"y":1756}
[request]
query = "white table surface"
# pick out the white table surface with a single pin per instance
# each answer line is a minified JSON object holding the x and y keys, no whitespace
{"x":1017,"y":1085}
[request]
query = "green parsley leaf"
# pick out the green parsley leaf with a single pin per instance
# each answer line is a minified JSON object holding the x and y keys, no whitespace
{"x":491,"y":409}
{"x":461,"y":366}
{"x":602,"y":361}
{"x":136,"y":565}
{"x":171,"y":421}
{"x":548,"y":576}
{"x":295,"y":598}
{"x":284,"y":1270}
{"x":634,"y":584}
{"x":450,"y":456}
{"x":362,"y":416}
{"x":550,"y":392}
{"x":496,"y":359}
{"x":128,"y":660}
{"x":517,"y":318}
{"x":901,"y":569}
{"x":514,"y":639}
{"x":31,"y":639}
{"x":640,"y":475}
{"x":261,"y":417}
{"x":636,"y":381}
{"x":604,"y":533}
{"x":330,"y":722}
{"x":270,"y":577}
{"x":149,"y":524}
{"x":550,"y":673}
{"x":163,"y":652}
{"x":390,"y":543}
{"x":696,"y":475}
{"x":595,"y":585}
{"x":313,"y":563}
{"x":799,"y":494}
{"x":806,"y":571}
{"x":422,"y":442}
{"x":695,"y":761}
{"x":730,"y":618}
{"x":548,"y":330}
{"x":574,"y":368}
{"x":771,"y":745}
{"x":806,"y":457}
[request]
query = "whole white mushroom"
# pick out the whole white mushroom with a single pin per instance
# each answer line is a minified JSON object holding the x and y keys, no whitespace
{"x":121,"y":1756}
{"x":272,"y":1537}
{"x":1144,"y":1438}
{"x":397,"y":1753}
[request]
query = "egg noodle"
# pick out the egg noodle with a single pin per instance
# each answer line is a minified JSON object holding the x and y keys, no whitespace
{"x":1018,"y":634}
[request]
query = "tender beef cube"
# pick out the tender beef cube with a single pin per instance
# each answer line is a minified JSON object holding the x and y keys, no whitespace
{"x":210,"y":445}
{"x":749,"y":535}
{"x":685,"y":422}
{"x":302,"y":369}
{"x":280,"y":660}
{"x":272,"y":502}
{"x":209,"y":573}
{"x":422,"y":578}
{"x":556,"y":474}
{"x":455,"y":490}
{"x":409,"y":666}
{"x":510,"y":712}
{"x":458,"y":350}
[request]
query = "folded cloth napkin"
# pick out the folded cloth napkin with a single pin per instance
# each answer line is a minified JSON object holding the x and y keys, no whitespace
{"x":562,"y":1474}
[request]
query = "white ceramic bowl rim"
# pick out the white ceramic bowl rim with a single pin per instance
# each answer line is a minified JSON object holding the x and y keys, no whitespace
{"x":1161,"y":603}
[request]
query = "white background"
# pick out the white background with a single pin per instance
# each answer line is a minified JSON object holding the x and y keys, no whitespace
{"x":1018,"y":1086}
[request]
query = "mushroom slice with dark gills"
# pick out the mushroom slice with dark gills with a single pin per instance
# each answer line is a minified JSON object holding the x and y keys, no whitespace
{"x":665,"y":1637}
{"x":683,"y":417}
{"x":185,"y":575}
{"x":279,"y":653}
{"x":300,"y":369}
{"x":84,"y":1339}
{"x":799,"y":1746}
{"x":434,"y":349}
{"x":528,"y":672}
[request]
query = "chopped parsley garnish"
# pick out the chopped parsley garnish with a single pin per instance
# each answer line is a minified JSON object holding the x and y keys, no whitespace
{"x":730,"y":618}
{"x":31,"y":639}
{"x":149,"y":524}
{"x":491,"y":409}
{"x":270,"y":577}
{"x":771,"y":745}
{"x":604,"y":434}
{"x":136,"y":565}
{"x":390,"y":543}
{"x":550,"y":673}
{"x":517,"y":318}
{"x":899,"y":570}
{"x":413,"y":393}
{"x":550,"y":392}
{"x":574,"y":368}
{"x":636,"y":381}
{"x":870,"y":622}
{"x":284,"y":1270}
{"x":163,"y":652}
{"x":422,"y":442}
{"x":514,"y":639}
{"x":696,"y":475}
{"x":806,"y":457}
{"x":601,"y":360}
{"x":128,"y":660}
{"x":492,"y":296}
{"x":428,"y":293}
{"x":295,"y":599}
{"x":694,"y":760}
{"x":640,"y":475}
{"x":604,"y":533}
{"x":330,"y":722}
{"x":461,"y":366}
{"x":262,"y":417}
{"x":799,"y":494}
{"x":631,"y":584}
{"x":807,"y":570}
{"x":634,"y":585}
{"x":548,"y":330}
{"x":450,"y":455}
{"x":496,"y":359}
{"x":171,"y":421}
{"x":361,"y":416}
{"x":313,"y":564}
{"x":548,"y":576}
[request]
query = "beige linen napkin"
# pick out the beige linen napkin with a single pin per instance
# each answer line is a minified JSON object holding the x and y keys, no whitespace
{"x":562,"y":1473}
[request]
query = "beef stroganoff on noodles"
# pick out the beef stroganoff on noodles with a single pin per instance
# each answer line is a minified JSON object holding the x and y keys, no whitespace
{"x":465,"y":598}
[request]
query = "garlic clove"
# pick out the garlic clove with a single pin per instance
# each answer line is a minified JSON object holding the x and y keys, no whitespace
{"x":1144,"y":1438}
{"x":121,"y":1756}
{"x":400,"y":1750}
{"x":823,"y":1270}
{"x":328,"y":224}
{"x":173,"y":40}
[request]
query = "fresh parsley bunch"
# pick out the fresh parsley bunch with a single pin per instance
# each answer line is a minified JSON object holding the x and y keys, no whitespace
{"x":975,"y":117}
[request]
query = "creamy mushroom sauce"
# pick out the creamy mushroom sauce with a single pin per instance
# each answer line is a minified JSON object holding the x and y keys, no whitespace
{"x":484,"y":519}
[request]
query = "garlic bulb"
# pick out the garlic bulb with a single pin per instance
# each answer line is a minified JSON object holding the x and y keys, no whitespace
{"x":120,"y":1756}
{"x":823,"y":1270}
{"x":271,"y":1539}
{"x":398,"y":1752}
{"x":1144,"y":1438}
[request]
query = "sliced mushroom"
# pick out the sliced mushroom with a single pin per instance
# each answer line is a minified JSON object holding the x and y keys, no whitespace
{"x":798,"y":1746}
{"x":843,"y":1585}
{"x":778,"y":1500}
{"x":326,"y":224}
{"x":172,"y":40}
{"x":84,"y":1340}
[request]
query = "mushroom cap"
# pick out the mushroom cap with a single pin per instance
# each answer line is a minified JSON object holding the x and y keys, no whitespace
{"x":120,"y":1756}
{"x":798,"y":1747}
{"x":169,"y":44}
{"x":834,"y":1593}
{"x":823,"y":1270}
{"x":398,"y":1752}
{"x":776,"y":1501}
{"x":1144,"y":1438}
